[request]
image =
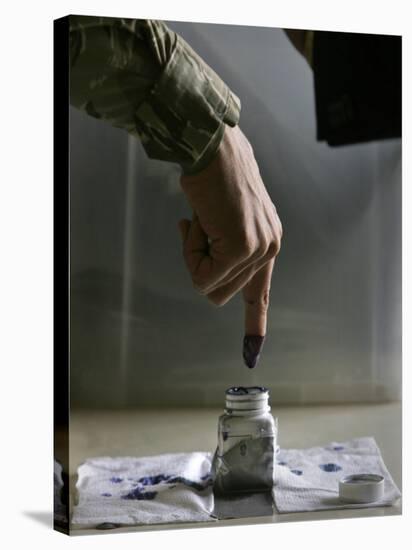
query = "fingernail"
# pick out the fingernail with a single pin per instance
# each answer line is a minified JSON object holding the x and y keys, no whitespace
{"x":252,"y":346}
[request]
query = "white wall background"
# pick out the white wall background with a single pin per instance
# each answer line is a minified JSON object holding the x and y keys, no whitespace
{"x":140,"y":334}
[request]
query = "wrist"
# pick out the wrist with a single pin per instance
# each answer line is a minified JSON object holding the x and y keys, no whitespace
{"x":229,"y":120}
{"x":207,"y":156}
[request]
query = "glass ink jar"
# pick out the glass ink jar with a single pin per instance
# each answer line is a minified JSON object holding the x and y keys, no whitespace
{"x":244,"y":460}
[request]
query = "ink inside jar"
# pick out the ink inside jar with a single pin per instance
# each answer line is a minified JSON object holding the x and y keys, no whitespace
{"x":244,"y":459}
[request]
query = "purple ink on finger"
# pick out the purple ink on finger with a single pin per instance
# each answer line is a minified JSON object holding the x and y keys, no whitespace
{"x":252,"y":346}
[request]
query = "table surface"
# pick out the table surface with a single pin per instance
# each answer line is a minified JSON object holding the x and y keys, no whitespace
{"x":144,"y":432}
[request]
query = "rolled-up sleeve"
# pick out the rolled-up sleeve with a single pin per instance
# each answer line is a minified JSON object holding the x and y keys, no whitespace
{"x":141,"y":76}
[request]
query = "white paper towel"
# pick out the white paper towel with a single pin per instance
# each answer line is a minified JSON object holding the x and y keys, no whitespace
{"x":173,"y":488}
{"x":168,"y":488}
{"x":308,"y":479}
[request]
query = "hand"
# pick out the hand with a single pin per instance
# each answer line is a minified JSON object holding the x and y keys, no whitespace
{"x":235,"y":233}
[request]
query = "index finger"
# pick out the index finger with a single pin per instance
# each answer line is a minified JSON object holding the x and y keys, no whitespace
{"x":256,"y":298}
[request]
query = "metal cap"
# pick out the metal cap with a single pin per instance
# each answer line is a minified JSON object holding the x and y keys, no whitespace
{"x":247,"y":398}
{"x":361,"y":488}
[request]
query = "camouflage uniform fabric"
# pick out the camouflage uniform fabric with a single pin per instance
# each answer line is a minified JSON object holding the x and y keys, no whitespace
{"x":141,"y":76}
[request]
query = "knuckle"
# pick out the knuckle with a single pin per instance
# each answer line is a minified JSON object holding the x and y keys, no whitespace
{"x":198,"y":283}
{"x":261,"y":303}
{"x":200,"y":290}
{"x":262,"y":248}
{"x":247,"y":246}
{"x":265,"y":299}
{"x":273,"y":249}
{"x":216,"y":300}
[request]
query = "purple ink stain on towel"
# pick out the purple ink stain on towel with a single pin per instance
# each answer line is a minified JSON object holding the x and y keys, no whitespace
{"x":154,"y":480}
{"x":138,"y":494}
{"x":193,"y":484}
{"x":330,"y":467}
{"x":116,"y":479}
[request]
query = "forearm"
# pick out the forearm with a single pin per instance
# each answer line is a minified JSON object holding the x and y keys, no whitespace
{"x":141,"y":76}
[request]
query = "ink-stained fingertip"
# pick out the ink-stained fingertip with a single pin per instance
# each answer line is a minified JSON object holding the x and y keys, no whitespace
{"x":252,"y":347}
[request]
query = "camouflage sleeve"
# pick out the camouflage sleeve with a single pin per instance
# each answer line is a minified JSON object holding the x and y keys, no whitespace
{"x":141,"y":76}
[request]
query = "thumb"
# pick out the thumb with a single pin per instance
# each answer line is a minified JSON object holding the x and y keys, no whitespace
{"x":184,"y":227}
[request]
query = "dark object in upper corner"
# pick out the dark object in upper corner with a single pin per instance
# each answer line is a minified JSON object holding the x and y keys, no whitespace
{"x":358,"y":87}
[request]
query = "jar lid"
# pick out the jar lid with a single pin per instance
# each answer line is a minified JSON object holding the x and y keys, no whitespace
{"x":247,"y":393}
{"x":360,"y":488}
{"x":247,"y":397}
